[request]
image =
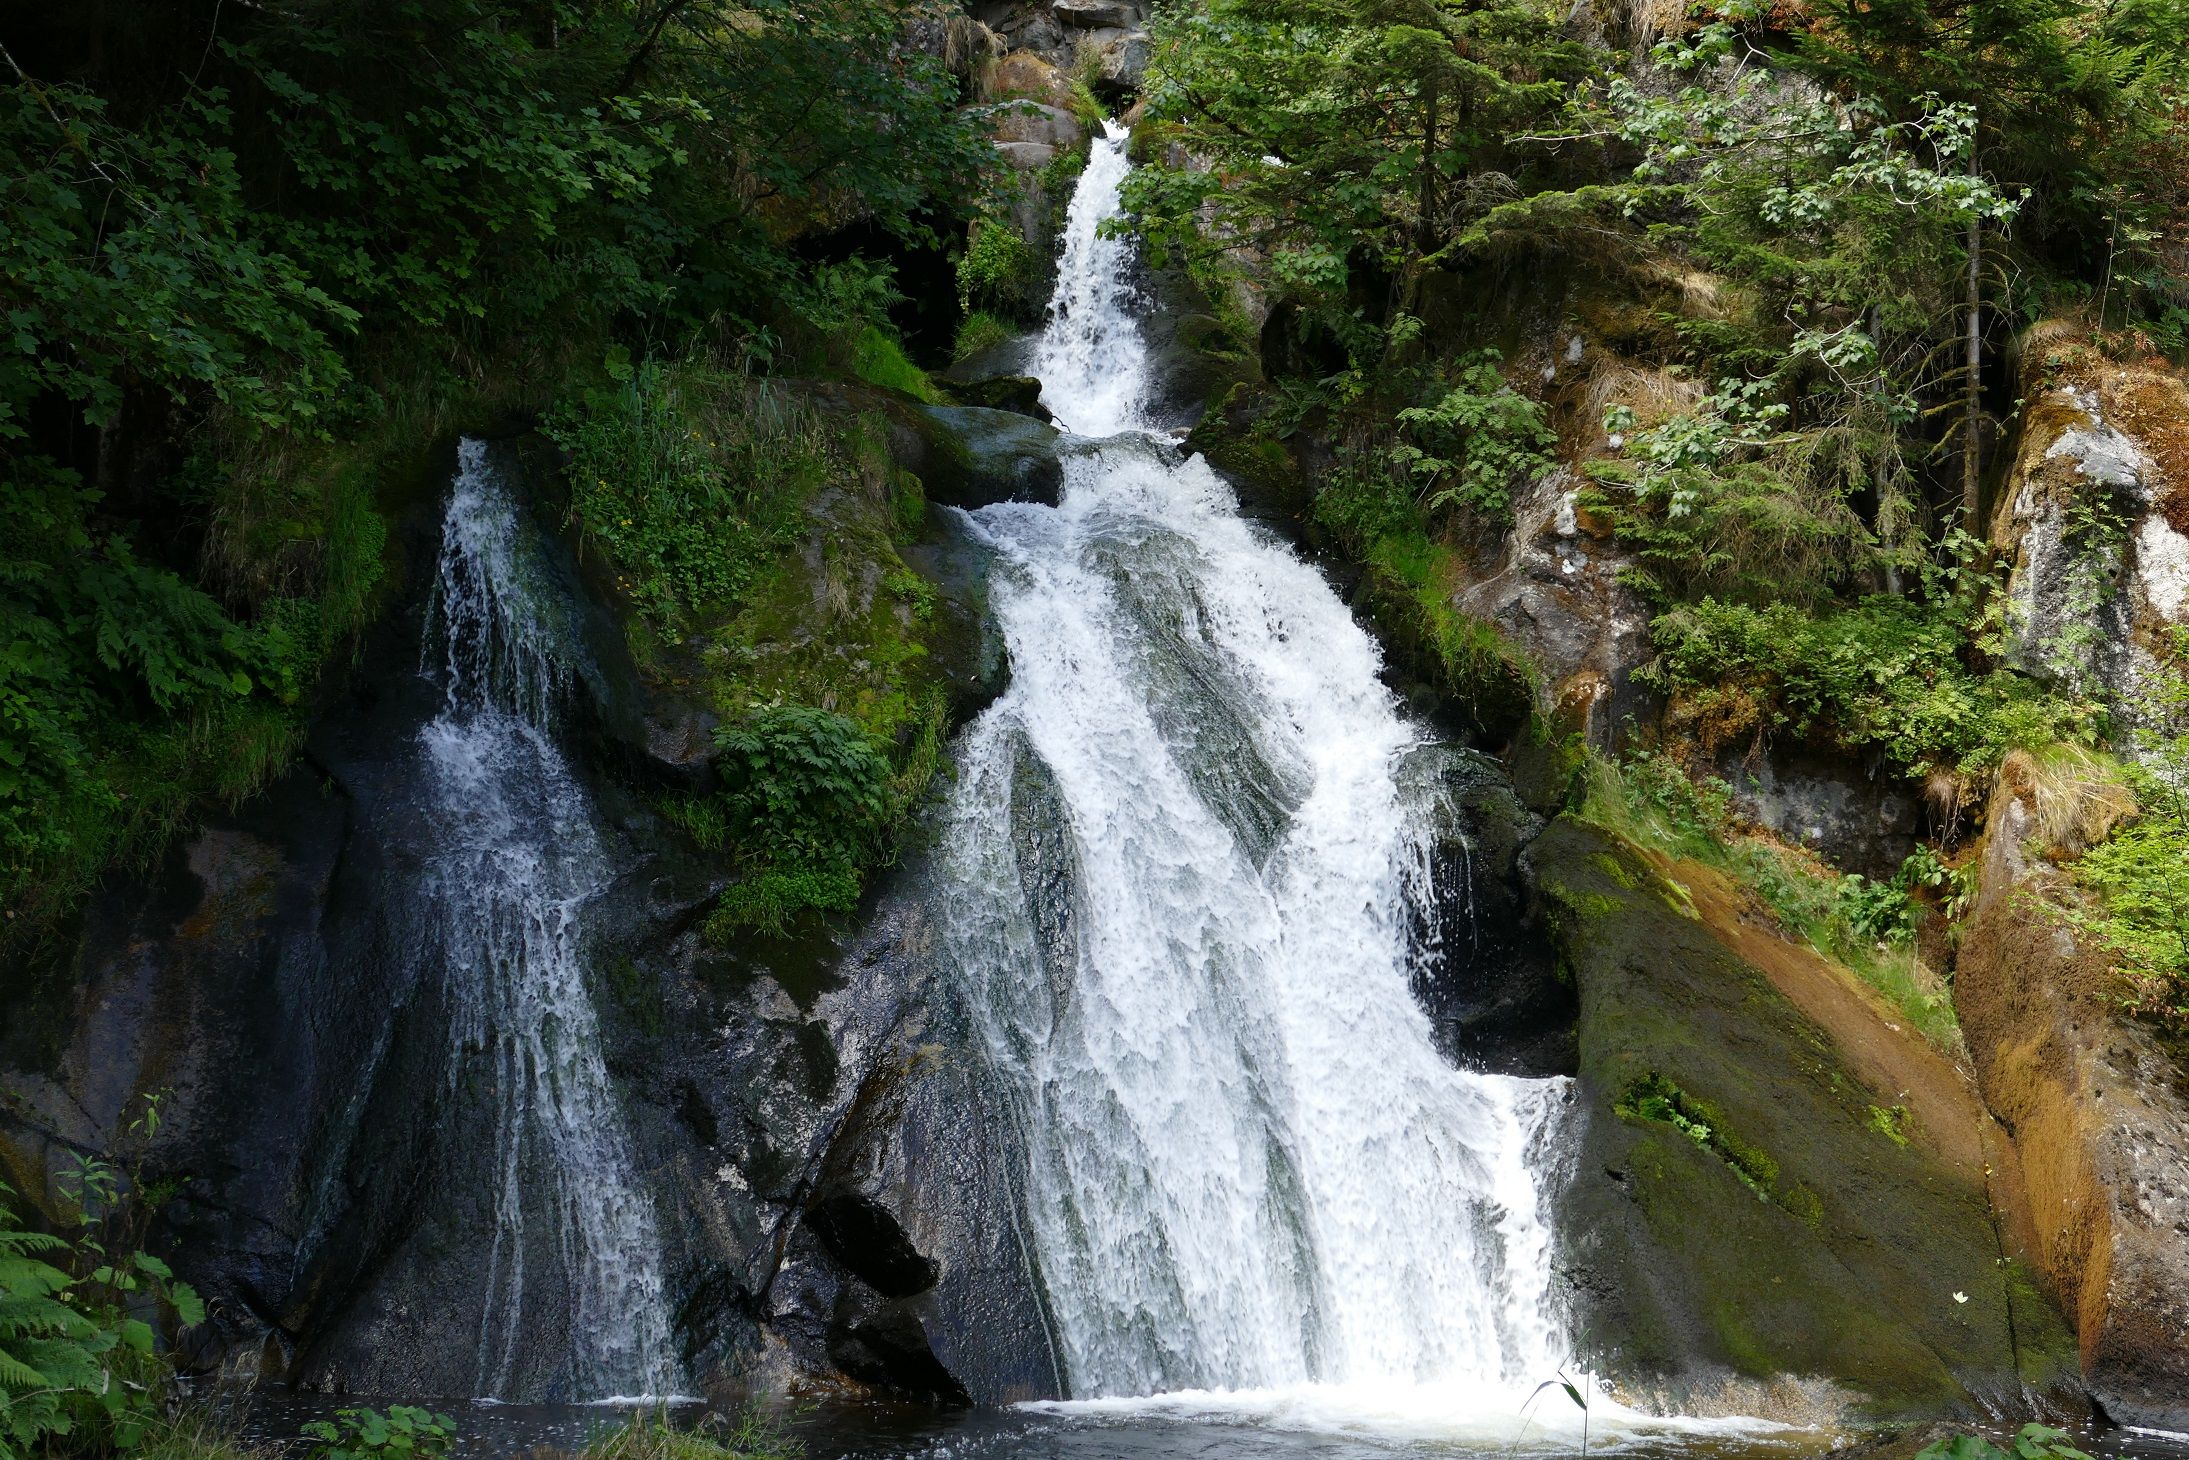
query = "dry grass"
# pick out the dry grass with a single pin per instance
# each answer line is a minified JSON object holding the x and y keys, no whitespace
{"x":1654,"y":395}
{"x":2075,"y":795}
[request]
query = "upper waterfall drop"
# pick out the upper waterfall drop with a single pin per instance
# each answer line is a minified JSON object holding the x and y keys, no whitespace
{"x":1186,"y":867}
{"x":1092,"y":361}
{"x":574,"y":1306}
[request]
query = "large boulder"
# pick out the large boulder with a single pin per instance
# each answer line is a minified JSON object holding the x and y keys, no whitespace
{"x":2099,"y":1120}
{"x":1778,"y":1200}
{"x":2095,"y":520}
{"x":977,"y":456}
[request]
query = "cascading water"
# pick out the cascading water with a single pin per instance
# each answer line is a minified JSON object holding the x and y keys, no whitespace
{"x":1188,"y":859}
{"x":574,"y":1305}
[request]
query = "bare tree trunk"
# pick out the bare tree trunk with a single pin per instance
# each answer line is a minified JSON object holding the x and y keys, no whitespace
{"x":1424,"y":229}
{"x":1972,"y":418}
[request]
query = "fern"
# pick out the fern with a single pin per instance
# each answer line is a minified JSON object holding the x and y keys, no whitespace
{"x":48,"y":1350}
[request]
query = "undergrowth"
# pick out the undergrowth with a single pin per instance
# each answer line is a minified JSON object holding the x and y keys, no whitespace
{"x":692,"y":480}
{"x":2138,"y":869}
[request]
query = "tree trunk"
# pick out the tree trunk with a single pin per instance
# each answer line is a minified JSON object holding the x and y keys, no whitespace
{"x":1972,"y":418}
{"x":1424,"y":229}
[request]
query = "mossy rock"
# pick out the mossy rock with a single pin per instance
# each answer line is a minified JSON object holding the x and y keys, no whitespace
{"x":975,"y":457}
{"x":1736,"y":1214}
{"x":1019,"y":393}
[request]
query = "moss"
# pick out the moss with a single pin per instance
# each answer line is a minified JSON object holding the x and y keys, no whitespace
{"x":1695,"y":1075}
{"x":1410,"y":586}
{"x":1891,"y":1122}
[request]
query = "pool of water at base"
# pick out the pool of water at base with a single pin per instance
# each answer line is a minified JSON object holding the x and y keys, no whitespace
{"x":1217,"y":1428}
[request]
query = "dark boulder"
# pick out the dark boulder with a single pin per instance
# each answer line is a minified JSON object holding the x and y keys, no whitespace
{"x":1764,"y":1188}
{"x":1020,"y":393}
{"x":976,"y":457}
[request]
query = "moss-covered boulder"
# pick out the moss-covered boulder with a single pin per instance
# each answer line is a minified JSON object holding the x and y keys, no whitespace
{"x":1757,"y":1219}
{"x":976,"y":456}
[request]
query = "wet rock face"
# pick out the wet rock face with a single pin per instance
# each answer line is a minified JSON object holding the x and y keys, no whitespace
{"x":1742,"y":1204}
{"x":1859,"y":818}
{"x":982,"y":456}
{"x":2100,"y":1127}
{"x":1494,"y":992}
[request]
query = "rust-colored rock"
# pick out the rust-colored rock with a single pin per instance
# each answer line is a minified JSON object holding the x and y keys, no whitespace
{"x":2096,"y":1111}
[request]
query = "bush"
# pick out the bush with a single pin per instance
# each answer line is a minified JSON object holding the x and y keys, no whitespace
{"x":997,"y":269}
{"x":810,"y":798}
{"x":1886,"y":673}
{"x":80,"y":1366}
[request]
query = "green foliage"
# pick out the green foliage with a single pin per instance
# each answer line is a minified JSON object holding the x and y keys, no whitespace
{"x":1338,"y":138}
{"x":997,"y":269}
{"x":80,"y":1367}
{"x":403,"y":1433}
{"x":1653,"y":1097}
{"x":2139,"y":873}
{"x":232,"y":286}
{"x":980,"y":331}
{"x":1884,"y":673}
{"x":692,"y":481}
{"x":805,"y":779}
{"x":752,"y":1435}
{"x":810,"y":797}
{"x":878,"y":359}
{"x":1470,"y":445}
{"x":49,"y":1352}
{"x":2031,"y":1442}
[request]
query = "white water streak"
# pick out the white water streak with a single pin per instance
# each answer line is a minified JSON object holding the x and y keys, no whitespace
{"x":1183,"y":862}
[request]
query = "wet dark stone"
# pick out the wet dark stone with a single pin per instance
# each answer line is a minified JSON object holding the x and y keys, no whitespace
{"x":1020,"y":393}
{"x":866,"y":1239}
{"x":979,"y":457}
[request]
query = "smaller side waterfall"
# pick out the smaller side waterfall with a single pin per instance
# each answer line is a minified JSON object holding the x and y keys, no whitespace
{"x":573,"y":1292}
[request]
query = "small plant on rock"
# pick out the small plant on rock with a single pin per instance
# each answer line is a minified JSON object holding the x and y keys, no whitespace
{"x":403,"y":1433}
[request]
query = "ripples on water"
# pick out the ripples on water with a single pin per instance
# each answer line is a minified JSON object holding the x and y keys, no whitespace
{"x":1299,"y":1425}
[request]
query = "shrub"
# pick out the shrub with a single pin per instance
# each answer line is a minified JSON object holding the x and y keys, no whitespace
{"x":810,"y":798}
{"x":80,"y":1366}
{"x":1471,"y":443}
{"x":997,"y":269}
{"x":1885,"y":673}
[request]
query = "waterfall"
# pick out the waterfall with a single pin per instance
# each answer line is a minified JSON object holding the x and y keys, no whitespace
{"x":1091,"y":360}
{"x":574,"y":1305}
{"x":1187,"y":863}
